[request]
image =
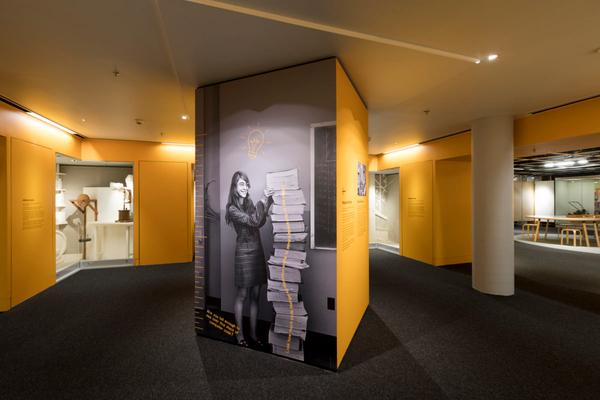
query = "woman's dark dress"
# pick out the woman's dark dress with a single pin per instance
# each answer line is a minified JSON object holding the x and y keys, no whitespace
{"x":250,"y":266}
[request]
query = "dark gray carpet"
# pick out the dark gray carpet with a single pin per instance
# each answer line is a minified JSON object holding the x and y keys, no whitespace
{"x":128,"y":333}
{"x":564,"y":268}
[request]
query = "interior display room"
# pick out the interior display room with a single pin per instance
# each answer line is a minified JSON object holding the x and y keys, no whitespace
{"x":300,"y":251}
{"x":384,"y":210}
{"x":163,"y":206}
{"x":94,"y":214}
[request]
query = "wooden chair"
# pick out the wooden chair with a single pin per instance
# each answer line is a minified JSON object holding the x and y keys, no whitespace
{"x":565,"y":233}
{"x":529,"y":228}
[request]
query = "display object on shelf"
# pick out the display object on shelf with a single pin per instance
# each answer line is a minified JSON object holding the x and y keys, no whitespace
{"x":288,"y":331}
{"x":124,"y":213}
{"x":59,"y":202}
{"x":82,"y":203}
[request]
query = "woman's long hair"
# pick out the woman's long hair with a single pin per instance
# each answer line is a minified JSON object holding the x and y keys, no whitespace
{"x":233,"y":195}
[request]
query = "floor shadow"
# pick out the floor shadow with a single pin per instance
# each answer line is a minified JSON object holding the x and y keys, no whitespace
{"x":371,"y":339}
{"x":571,"y":296}
{"x":226,"y":361}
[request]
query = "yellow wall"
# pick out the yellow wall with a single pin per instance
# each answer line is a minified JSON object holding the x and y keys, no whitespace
{"x":145,"y":234}
{"x":28,"y":161}
{"x":4,"y":228}
{"x":373,"y":163}
{"x":452,"y":212}
{"x":454,"y":146}
{"x":17,"y":124}
{"x":132,"y":150}
{"x":32,"y":222}
{"x":435,"y":179}
{"x":574,"y":120}
{"x":416,"y":204}
{"x":352,"y":212}
{"x":164,"y":212}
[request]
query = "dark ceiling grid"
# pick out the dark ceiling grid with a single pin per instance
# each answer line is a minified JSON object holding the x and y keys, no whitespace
{"x":535,"y":165}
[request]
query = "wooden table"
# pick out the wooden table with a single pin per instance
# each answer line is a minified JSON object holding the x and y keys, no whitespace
{"x":584,"y":221}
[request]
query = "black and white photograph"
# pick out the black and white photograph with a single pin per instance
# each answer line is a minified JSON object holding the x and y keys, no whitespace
{"x":265,"y":287}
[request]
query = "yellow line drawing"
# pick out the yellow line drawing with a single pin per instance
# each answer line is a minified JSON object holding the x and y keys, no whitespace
{"x":285,"y":288}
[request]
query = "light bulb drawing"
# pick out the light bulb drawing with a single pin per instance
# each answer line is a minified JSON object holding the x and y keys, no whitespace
{"x":256,"y":140}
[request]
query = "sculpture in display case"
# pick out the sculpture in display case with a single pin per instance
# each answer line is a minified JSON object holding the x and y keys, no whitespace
{"x":82,"y":203}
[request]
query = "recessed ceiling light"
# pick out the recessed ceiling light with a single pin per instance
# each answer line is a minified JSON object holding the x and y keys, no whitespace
{"x":565,"y":163}
{"x":412,"y":146}
{"x":583,"y":161}
{"x":185,"y":117}
{"x":477,"y":61}
{"x":50,"y":122}
{"x":83,"y":120}
{"x":492,"y":57}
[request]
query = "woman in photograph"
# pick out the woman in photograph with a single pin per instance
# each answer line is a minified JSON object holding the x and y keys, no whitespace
{"x":250,"y":266}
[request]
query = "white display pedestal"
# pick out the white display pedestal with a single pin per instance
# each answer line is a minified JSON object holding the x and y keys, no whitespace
{"x":110,"y":241}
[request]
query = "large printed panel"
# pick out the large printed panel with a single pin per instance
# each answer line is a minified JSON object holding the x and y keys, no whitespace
{"x":32,"y":219}
{"x":259,"y":280}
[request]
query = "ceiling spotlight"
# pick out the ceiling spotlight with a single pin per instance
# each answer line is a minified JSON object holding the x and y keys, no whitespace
{"x":565,"y":163}
{"x":492,"y":57}
{"x":478,"y":61}
{"x":583,"y":161}
{"x":83,"y":120}
{"x":549,"y":165}
{"x":185,"y":117}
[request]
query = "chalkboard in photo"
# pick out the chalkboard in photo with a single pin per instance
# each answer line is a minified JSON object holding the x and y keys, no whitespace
{"x":323,"y":171}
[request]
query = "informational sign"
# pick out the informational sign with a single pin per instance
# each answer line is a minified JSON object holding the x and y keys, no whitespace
{"x":33,"y":214}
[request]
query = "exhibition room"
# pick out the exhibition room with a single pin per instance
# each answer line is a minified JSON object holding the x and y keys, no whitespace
{"x":240,"y":199}
{"x":557,"y":208}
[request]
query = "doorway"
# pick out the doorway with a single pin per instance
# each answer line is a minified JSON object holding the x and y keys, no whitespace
{"x":94,"y":215}
{"x":384,"y":210}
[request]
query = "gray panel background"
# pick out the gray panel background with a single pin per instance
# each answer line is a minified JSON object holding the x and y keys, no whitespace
{"x":283,"y":104}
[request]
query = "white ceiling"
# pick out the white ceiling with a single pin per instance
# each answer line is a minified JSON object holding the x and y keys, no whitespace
{"x":57,"y":59}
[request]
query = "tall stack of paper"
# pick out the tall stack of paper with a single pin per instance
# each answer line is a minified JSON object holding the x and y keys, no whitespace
{"x":288,"y":259}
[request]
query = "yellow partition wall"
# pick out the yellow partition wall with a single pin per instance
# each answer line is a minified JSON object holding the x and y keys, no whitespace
{"x":416,"y":204}
{"x":17,"y":124}
{"x":4,"y":228}
{"x":27,"y":152}
{"x":32,"y":219}
{"x":352,"y":212}
{"x":164,"y":205}
{"x":578,"y":119}
{"x":452,"y":212}
{"x":455,"y":146}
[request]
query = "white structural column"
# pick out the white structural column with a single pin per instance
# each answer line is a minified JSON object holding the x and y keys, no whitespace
{"x":492,"y":174}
